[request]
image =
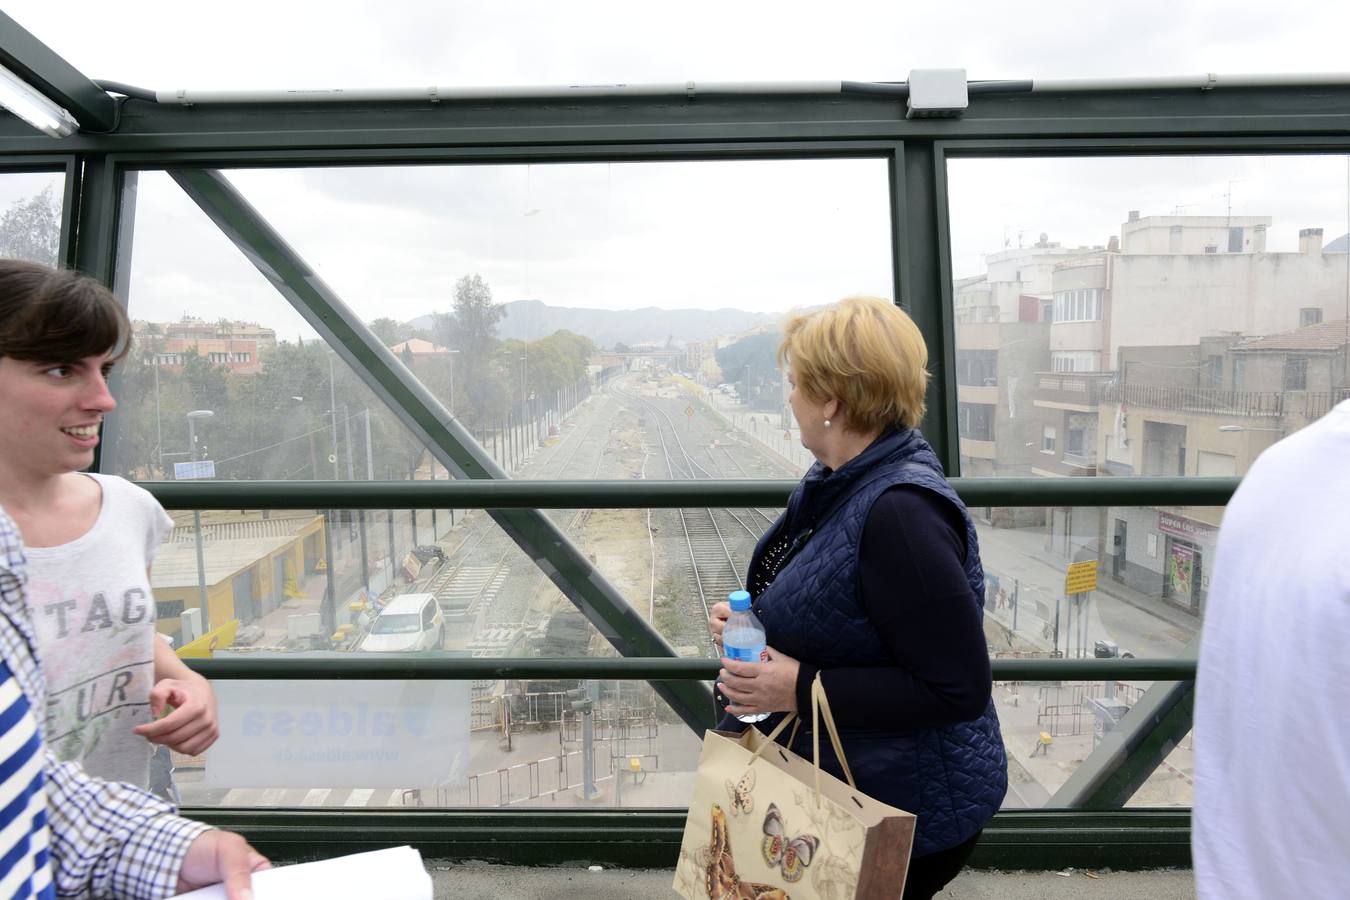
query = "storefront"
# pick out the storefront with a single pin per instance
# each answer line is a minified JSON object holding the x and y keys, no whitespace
{"x":1187,"y":544}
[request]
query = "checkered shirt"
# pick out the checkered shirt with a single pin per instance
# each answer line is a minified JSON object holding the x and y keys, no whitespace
{"x":108,"y":839}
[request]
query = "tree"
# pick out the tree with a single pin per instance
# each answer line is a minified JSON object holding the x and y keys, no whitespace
{"x":476,"y":316}
{"x":471,"y":328}
{"x":751,"y":364}
{"x":31,"y":229}
{"x":390,"y":331}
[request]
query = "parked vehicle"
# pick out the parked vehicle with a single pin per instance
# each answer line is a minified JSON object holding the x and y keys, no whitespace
{"x":1109,"y":650}
{"x":407,"y":622}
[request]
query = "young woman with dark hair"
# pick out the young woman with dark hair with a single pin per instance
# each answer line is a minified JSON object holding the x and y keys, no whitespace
{"x":90,"y":538}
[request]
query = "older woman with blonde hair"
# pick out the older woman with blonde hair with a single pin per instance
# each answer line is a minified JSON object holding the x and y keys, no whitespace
{"x":871,"y":578}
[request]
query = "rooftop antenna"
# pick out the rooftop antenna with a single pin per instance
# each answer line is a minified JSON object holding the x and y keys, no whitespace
{"x":1007,"y":242}
{"x":1228,"y":200}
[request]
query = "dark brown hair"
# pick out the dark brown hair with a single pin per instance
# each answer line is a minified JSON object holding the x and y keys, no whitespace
{"x":58,"y":315}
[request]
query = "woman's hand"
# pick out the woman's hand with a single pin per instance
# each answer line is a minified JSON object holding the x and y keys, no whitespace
{"x":717,"y":620}
{"x":762,"y":687}
{"x":192,"y":726}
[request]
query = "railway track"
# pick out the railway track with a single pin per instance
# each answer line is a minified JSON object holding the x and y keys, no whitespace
{"x":718,"y":542}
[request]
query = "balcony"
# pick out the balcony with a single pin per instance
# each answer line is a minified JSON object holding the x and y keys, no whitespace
{"x":986,"y":393}
{"x":1075,"y":390}
{"x":1085,"y":460}
{"x":1253,"y":404}
{"x":1318,"y":403}
{"x":978,"y":449}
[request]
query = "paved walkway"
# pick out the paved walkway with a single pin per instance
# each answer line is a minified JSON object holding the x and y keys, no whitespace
{"x":483,"y":882}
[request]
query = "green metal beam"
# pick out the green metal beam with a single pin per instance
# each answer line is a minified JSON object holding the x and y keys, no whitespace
{"x":1099,"y":491}
{"x":450,"y":667}
{"x":522,"y":494}
{"x":650,"y":838}
{"x":49,"y":74}
{"x":1316,"y":116}
{"x":1119,"y":839}
{"x":926,"y":197}
{"x":445,"y":666}
{"x":92,"y":192}
{"x":428,"y":420}
{"x":1133,"y":750}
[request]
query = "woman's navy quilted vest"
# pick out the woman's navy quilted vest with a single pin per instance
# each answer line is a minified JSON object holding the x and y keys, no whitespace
{"x":954,"y":777}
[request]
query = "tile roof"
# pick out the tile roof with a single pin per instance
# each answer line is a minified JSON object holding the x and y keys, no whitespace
{"x":418,"y":347}
{"x":1323,"y":336}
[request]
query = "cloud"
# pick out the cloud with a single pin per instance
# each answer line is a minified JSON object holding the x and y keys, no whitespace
{"x":761,"y":235}
{"x":1084,"y":201}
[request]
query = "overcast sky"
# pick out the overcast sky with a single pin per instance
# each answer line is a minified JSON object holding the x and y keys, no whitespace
{"x":764,"y":236}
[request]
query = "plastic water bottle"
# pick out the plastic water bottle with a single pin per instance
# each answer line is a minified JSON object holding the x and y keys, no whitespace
{"x":743,"y":639}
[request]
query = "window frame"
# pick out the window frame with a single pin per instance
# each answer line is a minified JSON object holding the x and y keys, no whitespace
{"x":1114,"y":123}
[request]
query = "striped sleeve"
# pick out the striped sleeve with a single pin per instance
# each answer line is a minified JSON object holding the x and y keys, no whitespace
{"x":24,"y":836}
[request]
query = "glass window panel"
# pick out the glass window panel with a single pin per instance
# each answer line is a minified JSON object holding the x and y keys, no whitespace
{"x":1172,"y":784}
{"x":513,"y":292}
{"x":372,"y":745}
{"x":340,"y":582}
{"x":212,"y":337}
{"x":1152,"y":578}
{"x":1153,"y":574}
{"x":30,"y":216}
{"x":1164,"y":273}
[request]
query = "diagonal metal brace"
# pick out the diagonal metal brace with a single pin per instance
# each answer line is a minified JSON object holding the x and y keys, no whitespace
{"x":49,"y":74}
{"x":1134,"y":749}
{"x":429,"y":421}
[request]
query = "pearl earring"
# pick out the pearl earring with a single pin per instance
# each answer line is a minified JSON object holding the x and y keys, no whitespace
{"x":827,"y":423}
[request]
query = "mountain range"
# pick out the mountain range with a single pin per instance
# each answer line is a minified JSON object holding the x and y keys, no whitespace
{"x":529,"y":320}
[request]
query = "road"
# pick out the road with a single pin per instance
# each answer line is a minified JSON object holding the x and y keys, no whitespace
{"x":1019,"y":555}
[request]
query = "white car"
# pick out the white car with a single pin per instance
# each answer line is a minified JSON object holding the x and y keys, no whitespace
{"x":408,"y":622}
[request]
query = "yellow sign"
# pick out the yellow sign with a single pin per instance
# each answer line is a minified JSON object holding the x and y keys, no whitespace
{"x":689,"y":411}
{"x":215,"y":639}
{"x":1081,"y":578}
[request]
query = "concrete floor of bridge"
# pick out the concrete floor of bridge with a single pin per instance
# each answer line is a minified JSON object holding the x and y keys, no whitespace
{"x":475,"y":881}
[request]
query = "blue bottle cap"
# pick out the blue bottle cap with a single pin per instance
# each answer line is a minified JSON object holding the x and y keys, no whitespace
{"x":740,"y":600}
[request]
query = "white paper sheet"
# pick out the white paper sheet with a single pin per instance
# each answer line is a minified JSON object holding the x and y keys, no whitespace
{"x":393,"y":874}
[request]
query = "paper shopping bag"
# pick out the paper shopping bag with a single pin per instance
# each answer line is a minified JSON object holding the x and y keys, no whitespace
{"x":766,"y":824}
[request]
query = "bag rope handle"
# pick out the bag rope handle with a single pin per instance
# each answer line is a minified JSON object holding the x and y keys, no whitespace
{"x":820,"y":703}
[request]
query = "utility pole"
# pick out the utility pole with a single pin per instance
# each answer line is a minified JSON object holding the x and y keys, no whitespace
{"x":332,"y":411}
{"x":347,"y":426}
{"x":583,"y":700}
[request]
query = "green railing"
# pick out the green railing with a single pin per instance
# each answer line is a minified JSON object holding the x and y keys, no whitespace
{"x":433,"y":665}
{"x":1092,"y":829}
{"x":523,"y":494}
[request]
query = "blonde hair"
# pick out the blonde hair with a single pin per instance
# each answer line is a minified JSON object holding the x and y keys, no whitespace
{"x":864,"y":352}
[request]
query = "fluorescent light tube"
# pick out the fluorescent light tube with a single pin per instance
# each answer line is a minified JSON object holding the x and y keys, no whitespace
{"x":20,"y":98}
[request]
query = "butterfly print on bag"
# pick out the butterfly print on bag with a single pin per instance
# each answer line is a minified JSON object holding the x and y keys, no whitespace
{"x":721,"y":880}
{"x":739,"y":792}
{"x":790,"y":855}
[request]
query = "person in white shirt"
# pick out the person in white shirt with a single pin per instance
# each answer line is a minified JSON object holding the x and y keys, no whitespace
{"x":63,"y":833}
{"x":1272,"y":710}
{"x":90,"y":538}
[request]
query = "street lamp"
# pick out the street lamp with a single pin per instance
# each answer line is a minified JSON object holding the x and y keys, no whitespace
{"x":332,"y":412}
{"x":524,"y":402}
{"x":192,"y":418}
{"x":451,"y":354}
